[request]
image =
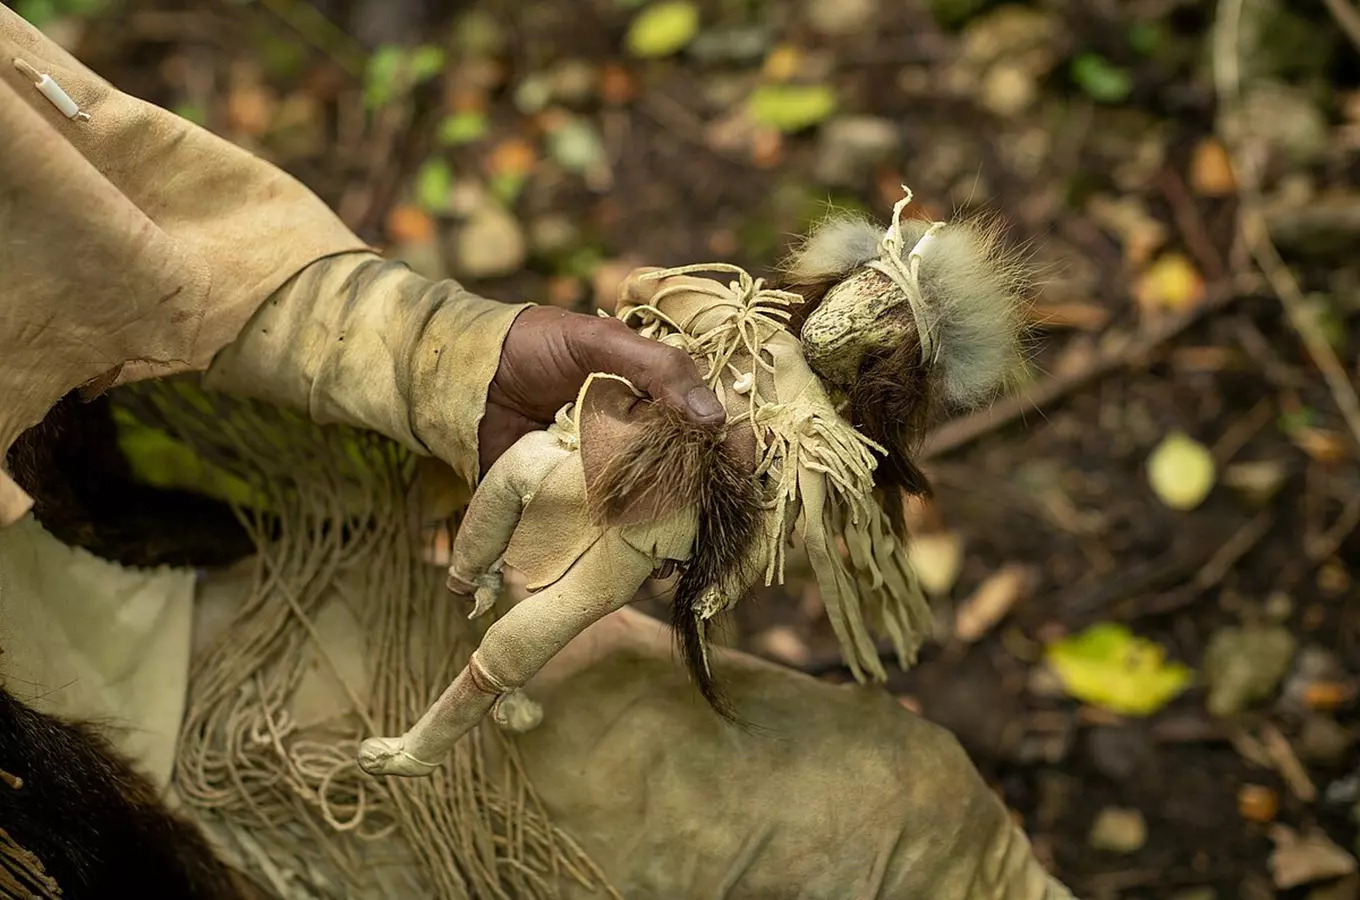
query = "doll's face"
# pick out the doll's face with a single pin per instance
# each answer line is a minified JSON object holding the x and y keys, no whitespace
{"x":851,"y":322}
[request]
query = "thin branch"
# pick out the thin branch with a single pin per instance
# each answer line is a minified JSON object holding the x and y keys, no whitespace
{"x":1347,"y":17}
{"x":1252,"y":223}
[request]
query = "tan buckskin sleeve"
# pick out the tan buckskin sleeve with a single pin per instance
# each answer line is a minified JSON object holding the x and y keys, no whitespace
{"x":132,"y":244}
{"x":359,"y":340}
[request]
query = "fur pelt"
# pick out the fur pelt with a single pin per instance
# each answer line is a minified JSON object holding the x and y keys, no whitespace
{"x":97,"y":826}
{"x":670,"y":459}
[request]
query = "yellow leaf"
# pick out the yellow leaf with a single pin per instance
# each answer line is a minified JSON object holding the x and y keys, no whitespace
{"x":1109,"y":667}
{"x":1171,"y":283}
{"x":1181,"y":471}
{"x":782,"y":63}
{"x":1211,"y":173}
{"x":662,"y":29}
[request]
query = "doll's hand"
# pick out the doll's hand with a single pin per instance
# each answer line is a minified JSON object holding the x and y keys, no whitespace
{"x":549,"y":353}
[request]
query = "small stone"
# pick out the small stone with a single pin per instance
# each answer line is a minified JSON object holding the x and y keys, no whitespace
{"x":1257,"y":482}
{"x":1324,"y":740}
{"x":1257,"y":803}
{"x":552,"y":234}
{"x":1285,"y":118}
{"x":424,"y":258}
{"x":1119,"y":753}
{"x":573,"y":81}
{"x":849,"y":147}
{"x":782,"y":643}
{"x":490,"y":244}
{"x":740,"y":45}
{"x":1306,"y":859}
{"x":1244,"y":665}
{"x":1118,"y":830}
{"x":1211,"y":173}
{"x":841,"y":17}
{"x":1008,"y":90}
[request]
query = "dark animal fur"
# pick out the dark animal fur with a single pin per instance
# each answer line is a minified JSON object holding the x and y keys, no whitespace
{"x":97,"y":826}
{"x":86,"y":495}
{"x":674,"y":460}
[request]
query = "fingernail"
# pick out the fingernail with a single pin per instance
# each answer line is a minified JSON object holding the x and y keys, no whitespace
{"x":704,"y":404}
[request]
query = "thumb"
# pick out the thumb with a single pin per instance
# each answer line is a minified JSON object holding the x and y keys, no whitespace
{"x":666,"y":374}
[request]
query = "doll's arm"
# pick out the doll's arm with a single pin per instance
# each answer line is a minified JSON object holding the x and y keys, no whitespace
{"x":694,"y":305}
{"x":494,"y":513}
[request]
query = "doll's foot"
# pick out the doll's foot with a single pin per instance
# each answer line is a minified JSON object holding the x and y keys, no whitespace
{"x":388,"y":756}
{"x":517,"y":713}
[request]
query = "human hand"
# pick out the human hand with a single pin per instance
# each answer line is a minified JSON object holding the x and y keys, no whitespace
{"x":547,"y":356}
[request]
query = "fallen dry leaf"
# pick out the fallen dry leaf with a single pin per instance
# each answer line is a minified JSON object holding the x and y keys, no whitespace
{"x":409,"y":224}
{"x":511,"y":157}
{"x":250,"y":109}
{"x":1138,"y":231}
{"x":1305,"y":859}
{"x":1257,"y":803}
{"x":1118,"y":830}
{"x":767,"y":148}
{"x":1326,"y":696}
{"x":1170,"y":284}
{"x":782,"y":63}
{"x":936,"y":559}
{"x":992,"y":600}
{"x":1211,"y":173}
{"x":617,"y":86}
{"x":782,"y":643}
{"x":1320,"y":444}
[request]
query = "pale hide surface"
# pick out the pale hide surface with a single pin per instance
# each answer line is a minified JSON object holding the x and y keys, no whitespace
{"x":132,"y":244}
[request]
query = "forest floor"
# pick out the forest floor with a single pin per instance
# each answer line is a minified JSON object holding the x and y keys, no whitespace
{"x":1150,"y":154}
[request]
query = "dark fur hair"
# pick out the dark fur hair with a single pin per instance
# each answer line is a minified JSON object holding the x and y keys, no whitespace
{"x":96,"y":825}
{"x":673,"y":459}
{"x":86,"y":494}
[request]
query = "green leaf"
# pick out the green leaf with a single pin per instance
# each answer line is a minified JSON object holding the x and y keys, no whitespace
{"x":381,"y":76}
{"x":507,"y":186}
{"x":662,"y":29}
{"x":462,"y":128}
{"x":38,"y":13}
{"x":1146,"y":38}
{"x":791,"y":107}
{"x":1100,"y":79}
{"x":1294,"y":421}
{"x":193,"y":112}
{"x":162,"y":461}
{"x":427,"y":61}
{"x":434,"y":184}
{"x":393,"y":71}
{"x":1107,"y":666}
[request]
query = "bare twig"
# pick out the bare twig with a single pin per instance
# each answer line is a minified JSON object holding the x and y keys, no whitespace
{"x":955,"y":434}
{"x":1347,"y":17}
{"x":1252,"y":223}
{"x":1216,"y":569}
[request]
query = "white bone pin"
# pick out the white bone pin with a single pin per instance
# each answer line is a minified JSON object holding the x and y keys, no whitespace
{"x":49,"y":88}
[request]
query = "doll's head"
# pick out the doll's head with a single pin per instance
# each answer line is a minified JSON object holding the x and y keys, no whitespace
{"x":907,"y":322}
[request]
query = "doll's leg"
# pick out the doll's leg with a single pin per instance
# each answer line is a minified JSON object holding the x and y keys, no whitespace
{"x":494,"y":513}
{"x":513,"y":649}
